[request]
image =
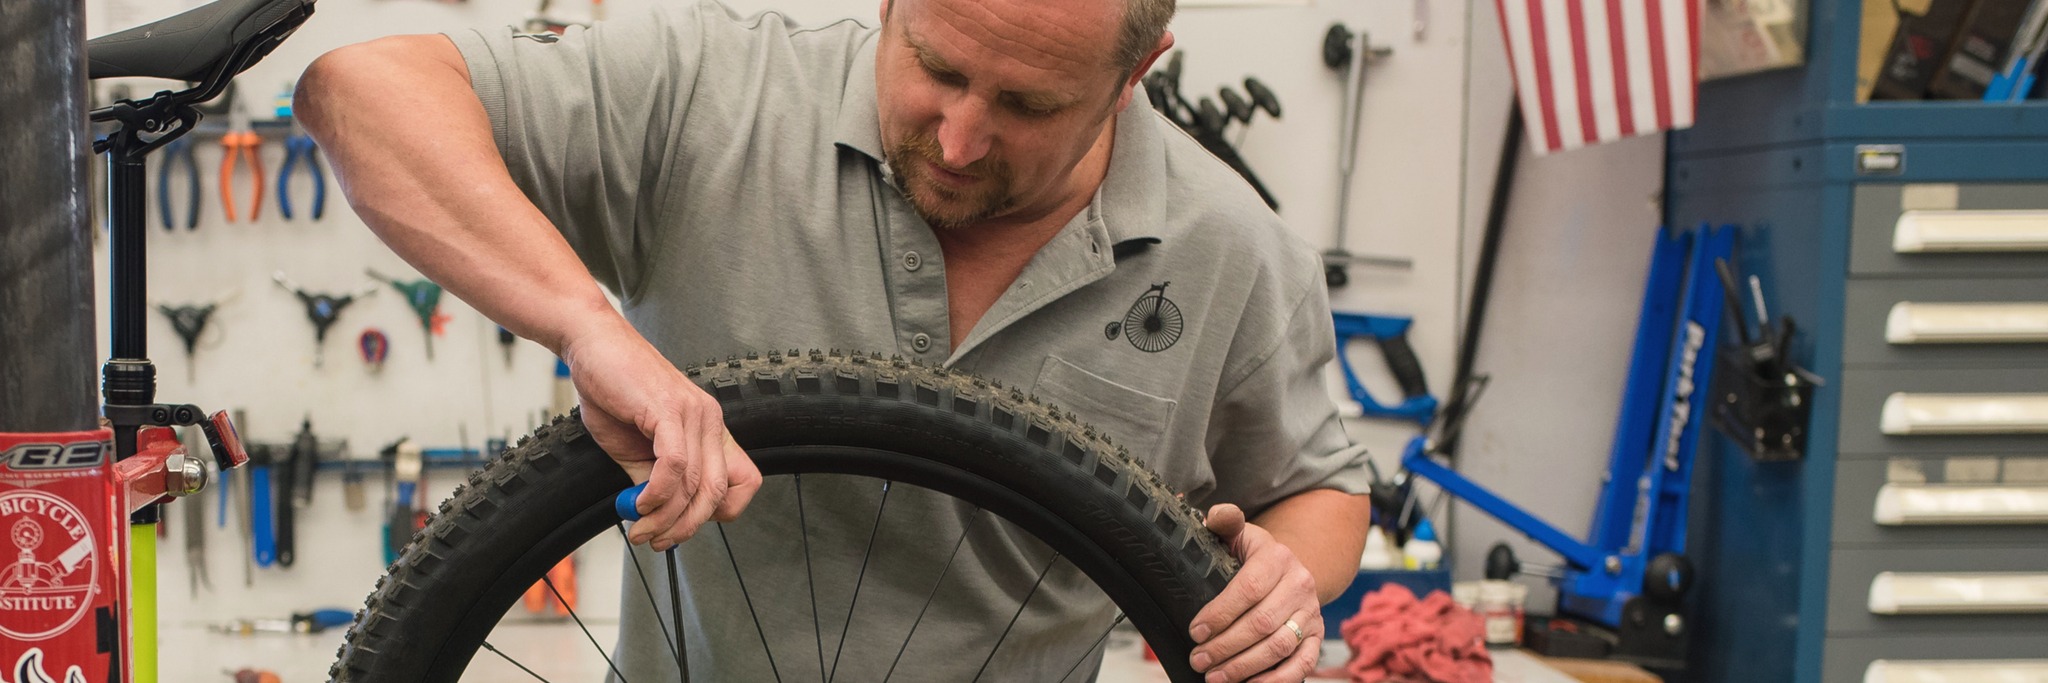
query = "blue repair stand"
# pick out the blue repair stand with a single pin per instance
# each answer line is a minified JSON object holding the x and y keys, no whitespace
{"x":1639,"y":524}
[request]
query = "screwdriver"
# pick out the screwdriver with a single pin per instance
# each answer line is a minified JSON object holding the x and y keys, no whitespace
{"x":315,"y":621}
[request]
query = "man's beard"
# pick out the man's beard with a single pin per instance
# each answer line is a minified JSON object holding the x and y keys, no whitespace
{"x":940,"y":206}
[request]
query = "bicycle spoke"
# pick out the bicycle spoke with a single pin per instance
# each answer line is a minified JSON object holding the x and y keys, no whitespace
{"x":579,"y":624}
{"x":935,"y":593}
{"x":675,"y":612}
{"x":515,"y":662}
{"x":644,"y":585}
{"x":750,"y":602}
{"x":1091,"y":648}
{"x":1013,"y":617}
{"x":804,"y":527}
{"x":858,"y":579}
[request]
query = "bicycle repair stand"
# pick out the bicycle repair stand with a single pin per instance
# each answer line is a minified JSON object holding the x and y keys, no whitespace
{"x":1630,"y":575}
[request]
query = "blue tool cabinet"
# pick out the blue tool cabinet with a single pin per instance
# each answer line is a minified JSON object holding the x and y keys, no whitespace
{"x":1789,"y":553}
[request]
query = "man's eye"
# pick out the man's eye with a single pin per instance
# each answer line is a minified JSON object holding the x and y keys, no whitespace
{"x":945,"y":77}
{"x":1036,"y":112}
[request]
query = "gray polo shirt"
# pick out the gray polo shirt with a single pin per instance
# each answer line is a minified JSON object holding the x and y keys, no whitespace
{"x":723,"y":176}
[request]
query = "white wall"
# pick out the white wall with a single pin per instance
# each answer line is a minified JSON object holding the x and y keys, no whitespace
{"x":1542,"y":430}
{"x":1558,"y":331}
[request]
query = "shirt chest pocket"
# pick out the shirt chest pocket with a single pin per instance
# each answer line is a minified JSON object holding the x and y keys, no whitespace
{"x":1134,"y":419}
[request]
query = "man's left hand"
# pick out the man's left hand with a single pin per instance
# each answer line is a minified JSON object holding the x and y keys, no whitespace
{"x":1267,"y":625}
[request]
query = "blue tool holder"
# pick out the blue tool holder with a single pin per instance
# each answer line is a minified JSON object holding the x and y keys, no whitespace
{"x":1391,"y":334}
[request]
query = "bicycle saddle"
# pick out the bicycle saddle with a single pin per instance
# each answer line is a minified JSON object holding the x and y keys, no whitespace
{"x":196,"y":45}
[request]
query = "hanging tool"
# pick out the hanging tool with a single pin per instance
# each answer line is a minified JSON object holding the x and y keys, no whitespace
{"x":1766,"y":400}
{"x":314,"y":621}
{"x":1391,"y":334}
{"x":506,"y":340}
{"x":1348,"y":52}
{"x":194,"y":511}
{"x":294,"y":481}
{"x":298,"y":145}
{"x":262,"y":526}
{"x":301,"y":146}
{"x":255,"y":676}
{"x":375,"y":347}
{"x":1162,"y":86}
{"x":234,"y":144}
{"x":244,"y":479}
{"x":1242,"y":108}
{"x":561,"y":599}
{"x":352,"y":493}
{"x":321,"y":309}
{"x":177,"y":157}
{"x":425,"y":298}
{"x":406,"y":515}
{"x":189,"y":321}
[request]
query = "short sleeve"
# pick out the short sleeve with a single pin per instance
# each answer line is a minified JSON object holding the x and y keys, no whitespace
{"x":1276,"y":433}
{"x":583,"y":122}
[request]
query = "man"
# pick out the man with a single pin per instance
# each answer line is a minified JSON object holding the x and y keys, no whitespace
{"x":970,"y":184}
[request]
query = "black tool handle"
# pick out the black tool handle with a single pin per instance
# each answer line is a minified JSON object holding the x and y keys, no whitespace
{"x":1402,"y":362}
{"x":286,"y":481}
{"x":1213,"y":141}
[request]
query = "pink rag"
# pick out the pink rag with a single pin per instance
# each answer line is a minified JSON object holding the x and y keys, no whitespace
{"x":1399,"y":639}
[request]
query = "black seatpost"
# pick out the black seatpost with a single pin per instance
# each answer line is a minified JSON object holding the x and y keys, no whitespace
{"x":127,"y":378}
{"x":46,"y":304}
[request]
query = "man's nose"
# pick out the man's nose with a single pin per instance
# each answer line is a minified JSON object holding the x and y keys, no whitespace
{"x":964,"y":132}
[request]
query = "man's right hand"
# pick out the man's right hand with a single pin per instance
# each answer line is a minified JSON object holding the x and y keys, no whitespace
{"x":664,"y":431}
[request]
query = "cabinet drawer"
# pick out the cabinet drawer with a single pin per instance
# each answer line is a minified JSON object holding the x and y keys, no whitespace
{"x":1936,"y":500}
{"x":1918,"y":425}
{"x":1848,"y":659}
{"x":1876,"y":230}
{"x":1925,"y":602}
{"x":2001,"y":321}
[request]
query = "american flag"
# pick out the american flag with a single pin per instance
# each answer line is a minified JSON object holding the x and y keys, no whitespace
{"x":1590,"y":71}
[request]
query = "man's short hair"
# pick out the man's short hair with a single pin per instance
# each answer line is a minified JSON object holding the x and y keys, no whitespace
{"x":1144,"y":22}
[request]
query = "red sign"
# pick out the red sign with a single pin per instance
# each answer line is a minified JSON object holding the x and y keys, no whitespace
{"x":62,"y":567}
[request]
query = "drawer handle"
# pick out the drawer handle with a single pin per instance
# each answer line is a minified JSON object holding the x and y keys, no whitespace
{"x":1957,"y":671}
{"x":1918,"y":504}
{"x":1960,"y":593}
{"x":1972,"y":323}
{"x":1906,"y":414}
{"x":1965,"y":231}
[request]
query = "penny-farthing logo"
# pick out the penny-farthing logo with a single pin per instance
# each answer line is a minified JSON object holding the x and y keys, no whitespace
{"x":50,"y":584}
{"x":1152,"y":324}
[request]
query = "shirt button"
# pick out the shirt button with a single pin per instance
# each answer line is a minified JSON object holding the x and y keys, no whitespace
{"x":911,"y":261}
{"x":922,"y":342}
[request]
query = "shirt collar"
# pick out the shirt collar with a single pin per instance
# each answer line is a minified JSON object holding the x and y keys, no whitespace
{"x":860,"y":127}
{"x":1132,"y":197}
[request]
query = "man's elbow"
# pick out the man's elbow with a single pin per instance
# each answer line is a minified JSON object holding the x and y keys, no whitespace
{"x":395,"y":64}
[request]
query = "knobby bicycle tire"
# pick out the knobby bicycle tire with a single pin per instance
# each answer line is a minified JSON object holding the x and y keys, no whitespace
{"x":1030,"y":462}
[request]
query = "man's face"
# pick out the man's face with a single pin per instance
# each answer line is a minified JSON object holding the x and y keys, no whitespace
{"x":988,"y":105}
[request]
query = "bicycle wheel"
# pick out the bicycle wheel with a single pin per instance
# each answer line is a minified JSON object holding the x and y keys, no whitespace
{"x":1027,"y":462}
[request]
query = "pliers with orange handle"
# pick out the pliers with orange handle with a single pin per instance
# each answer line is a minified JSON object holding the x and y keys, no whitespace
{"x":232,"y":144}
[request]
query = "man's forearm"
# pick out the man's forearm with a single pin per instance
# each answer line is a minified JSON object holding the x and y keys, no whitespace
{"x":413,"y":151}
{"x":1326,"y":530}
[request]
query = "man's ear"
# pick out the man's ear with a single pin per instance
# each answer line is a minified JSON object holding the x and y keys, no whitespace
{"x":885,"y":10}
{"x":1144,"y":67}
